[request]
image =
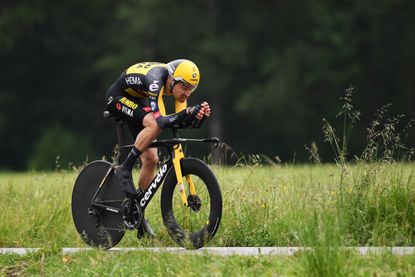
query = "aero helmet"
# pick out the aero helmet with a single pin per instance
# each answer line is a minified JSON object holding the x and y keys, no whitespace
{"x":184,"y":71}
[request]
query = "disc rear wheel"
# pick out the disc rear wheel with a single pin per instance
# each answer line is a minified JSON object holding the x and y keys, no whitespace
{"x":98,"y":226}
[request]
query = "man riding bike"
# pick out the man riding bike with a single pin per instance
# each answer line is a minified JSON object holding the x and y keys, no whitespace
{"x":137,"y":98}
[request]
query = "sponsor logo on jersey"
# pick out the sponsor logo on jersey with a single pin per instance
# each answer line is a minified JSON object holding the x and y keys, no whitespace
{"x":109,"y":100}
{"x":173,"y":118}
{"x":132,"y":80}
{"x":153,"y":105}
{"x":154,"y":86}
{"x":127,"y":111}
{"x":118,"y":106}
{"x":129,"y":103}
{"x":157,"y":114}
{"x":153,"y":186}
{"x":147,"y":109}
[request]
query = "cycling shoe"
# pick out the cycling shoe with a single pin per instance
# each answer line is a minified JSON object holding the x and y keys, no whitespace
{"x":126,"y":181}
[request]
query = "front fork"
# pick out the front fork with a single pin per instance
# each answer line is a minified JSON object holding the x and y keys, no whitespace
{"x":178,"y":155}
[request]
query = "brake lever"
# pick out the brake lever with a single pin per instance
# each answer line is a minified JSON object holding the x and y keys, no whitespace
{"x":215,"y":141}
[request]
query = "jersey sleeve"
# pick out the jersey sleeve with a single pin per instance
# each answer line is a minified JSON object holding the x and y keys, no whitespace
{"x":179,"y":119}
{"x":155,"y":89}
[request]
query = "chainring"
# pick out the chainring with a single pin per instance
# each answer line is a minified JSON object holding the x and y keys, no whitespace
{"x":131,"y":213}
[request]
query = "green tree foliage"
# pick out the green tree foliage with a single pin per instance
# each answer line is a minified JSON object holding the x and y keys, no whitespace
{"x":48,"y":76}
{"x":270,"y":69}
{"x":59,"y":148}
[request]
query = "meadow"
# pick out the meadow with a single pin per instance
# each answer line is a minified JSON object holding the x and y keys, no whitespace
{"x":323,"y":206}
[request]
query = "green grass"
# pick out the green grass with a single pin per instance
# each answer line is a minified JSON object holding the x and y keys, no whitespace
{"x":101,"y":263}
{"x":324,"y":206}
{"x":263,"y":206}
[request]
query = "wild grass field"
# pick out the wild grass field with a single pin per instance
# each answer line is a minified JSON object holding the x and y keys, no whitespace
{"x":367,"y":202}
{"x":323,"y":206}
{"x":373,"y":205}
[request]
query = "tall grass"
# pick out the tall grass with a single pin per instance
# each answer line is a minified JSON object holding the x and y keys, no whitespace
{"x":368,"y":200}
{"x":35,"y":209}
{"x":375,"y":200}
{"x":263,"y":206}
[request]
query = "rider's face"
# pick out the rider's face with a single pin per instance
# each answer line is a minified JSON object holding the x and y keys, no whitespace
{"x":182,"y":91}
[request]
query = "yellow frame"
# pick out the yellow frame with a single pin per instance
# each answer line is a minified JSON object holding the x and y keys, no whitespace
{"x":178,"y":155}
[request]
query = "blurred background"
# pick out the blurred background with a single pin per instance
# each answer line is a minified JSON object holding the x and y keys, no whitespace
{"x":271,"y":70}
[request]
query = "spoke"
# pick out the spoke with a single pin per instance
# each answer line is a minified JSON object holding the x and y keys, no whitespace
{"x":204,"y":190}
{"x":186,"y":218}
{"x":179,"y":216}
{"x":205,"y":215}
{"x":191,"y":227}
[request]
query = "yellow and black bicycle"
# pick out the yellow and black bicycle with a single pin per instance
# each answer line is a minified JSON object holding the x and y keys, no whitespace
{"x":191,"y":200}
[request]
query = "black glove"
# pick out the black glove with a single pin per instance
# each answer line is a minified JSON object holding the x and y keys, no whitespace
{"x":193,"y":110}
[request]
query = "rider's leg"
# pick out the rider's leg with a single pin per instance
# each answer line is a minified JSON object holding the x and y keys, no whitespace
{"x":150,"y":131}
{"x":149,"y":160}
{"x":148,"y":134}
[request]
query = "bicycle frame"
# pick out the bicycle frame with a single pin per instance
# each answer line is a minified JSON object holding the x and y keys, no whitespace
{"x":175,"y":152}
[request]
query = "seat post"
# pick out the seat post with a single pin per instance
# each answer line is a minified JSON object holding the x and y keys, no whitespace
{"x":123,"y":138}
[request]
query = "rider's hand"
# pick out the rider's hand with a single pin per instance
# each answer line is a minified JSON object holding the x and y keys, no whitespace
{"x":199,"y":111}
{"x":206,"y":108}
{"x":194,"y":110}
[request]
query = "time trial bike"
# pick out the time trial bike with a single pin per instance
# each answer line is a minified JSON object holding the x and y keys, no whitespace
{"x":191,"y":200}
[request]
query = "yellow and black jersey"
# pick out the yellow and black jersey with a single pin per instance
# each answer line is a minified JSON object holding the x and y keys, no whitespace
{"x":143,"y":83}
{"x":145,"y":80}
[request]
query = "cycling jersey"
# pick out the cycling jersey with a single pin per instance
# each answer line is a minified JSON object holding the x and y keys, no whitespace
{"x":140,"y":90}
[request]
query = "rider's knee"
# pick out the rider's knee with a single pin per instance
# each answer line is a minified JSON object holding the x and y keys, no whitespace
{"x":151,"y":123}
{"x":150,"y":159}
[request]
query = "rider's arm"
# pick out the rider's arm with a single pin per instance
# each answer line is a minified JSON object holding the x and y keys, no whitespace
{"x":183,"y":118}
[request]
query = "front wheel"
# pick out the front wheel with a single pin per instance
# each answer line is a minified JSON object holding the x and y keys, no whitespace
{"x":194,"y":225}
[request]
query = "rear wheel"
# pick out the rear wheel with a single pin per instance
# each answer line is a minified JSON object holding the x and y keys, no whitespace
{"x":192,"y":226}
{"x":98,"y":227}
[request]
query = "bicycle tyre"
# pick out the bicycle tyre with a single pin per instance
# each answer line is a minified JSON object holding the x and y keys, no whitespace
{"x":106,"y":229}
{"x":192,"y":239}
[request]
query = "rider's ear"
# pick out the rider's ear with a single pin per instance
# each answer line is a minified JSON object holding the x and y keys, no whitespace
{"x":170,"y":80}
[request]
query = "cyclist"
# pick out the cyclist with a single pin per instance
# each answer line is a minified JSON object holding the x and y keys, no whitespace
{"x":137,"y":98}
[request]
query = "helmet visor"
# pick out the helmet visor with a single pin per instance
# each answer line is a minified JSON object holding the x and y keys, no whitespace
{"x":185,"y":85}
